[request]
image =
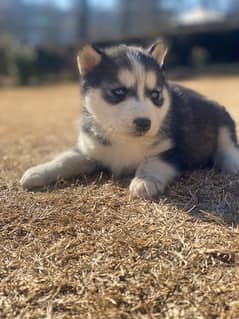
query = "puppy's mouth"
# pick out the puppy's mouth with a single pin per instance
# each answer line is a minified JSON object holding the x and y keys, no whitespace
{"x":138,"y":133}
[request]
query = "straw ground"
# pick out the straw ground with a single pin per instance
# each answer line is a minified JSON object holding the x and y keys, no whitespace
{"x":83,"y":249}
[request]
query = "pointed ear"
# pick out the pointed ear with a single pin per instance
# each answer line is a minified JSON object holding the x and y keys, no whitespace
{"x":88,"y":58}
{"x":158,"y":50}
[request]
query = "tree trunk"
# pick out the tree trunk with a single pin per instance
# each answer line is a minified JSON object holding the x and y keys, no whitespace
{"x":82,"y":13}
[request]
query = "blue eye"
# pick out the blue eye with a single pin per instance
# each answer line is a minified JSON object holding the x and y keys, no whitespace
{"x":115,"y":96}
{"x":119,"y":92}
{"x":156,"y":97}
{"x":155,"y":94}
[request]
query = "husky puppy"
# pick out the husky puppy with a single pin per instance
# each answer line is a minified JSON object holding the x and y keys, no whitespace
{"x":134,"y":121}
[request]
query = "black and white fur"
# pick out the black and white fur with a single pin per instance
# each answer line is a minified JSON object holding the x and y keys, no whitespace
{"x":134,"y":121}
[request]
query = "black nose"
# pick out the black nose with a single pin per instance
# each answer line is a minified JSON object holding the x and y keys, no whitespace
{"x":142,"y":124}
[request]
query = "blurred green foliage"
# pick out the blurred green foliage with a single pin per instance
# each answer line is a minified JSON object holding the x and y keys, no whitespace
{"x":26,"y":65}
{"x":17,"y":60}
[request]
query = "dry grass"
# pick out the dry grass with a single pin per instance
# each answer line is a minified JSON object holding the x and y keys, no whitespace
{"x":82,"y":249}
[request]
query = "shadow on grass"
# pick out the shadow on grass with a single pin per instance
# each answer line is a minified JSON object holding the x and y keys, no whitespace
{"x":207,"y":195}
{"x":204,"y":194}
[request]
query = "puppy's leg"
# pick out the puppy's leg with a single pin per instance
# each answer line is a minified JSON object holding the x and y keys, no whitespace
{"x":151,"y":178}
{"x":227,"y":157}
{"x":65,"y":165}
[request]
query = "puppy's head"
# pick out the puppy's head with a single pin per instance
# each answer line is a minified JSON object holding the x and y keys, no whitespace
{"x":123,"y":89}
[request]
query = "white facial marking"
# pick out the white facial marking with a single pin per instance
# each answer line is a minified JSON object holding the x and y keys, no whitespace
{"x":127,"y":78}
{"x":139,"y":73}
{"x":117,"y":120}
{"x":151,"y":80}
{"x":227,"y":157}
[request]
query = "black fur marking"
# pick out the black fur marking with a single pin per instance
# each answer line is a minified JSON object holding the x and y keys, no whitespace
{"x":105,"y":74}
{"x":192,"y":124}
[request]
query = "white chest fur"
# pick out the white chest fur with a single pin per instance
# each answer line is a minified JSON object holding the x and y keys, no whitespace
{"x":122,"y":156}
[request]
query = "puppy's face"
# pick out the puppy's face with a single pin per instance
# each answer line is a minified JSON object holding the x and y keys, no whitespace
{"x":123,"y":89}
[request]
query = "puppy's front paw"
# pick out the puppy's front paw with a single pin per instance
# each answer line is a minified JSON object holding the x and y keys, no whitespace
{"x":34,"y":177}
{"x":146,"y":188}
